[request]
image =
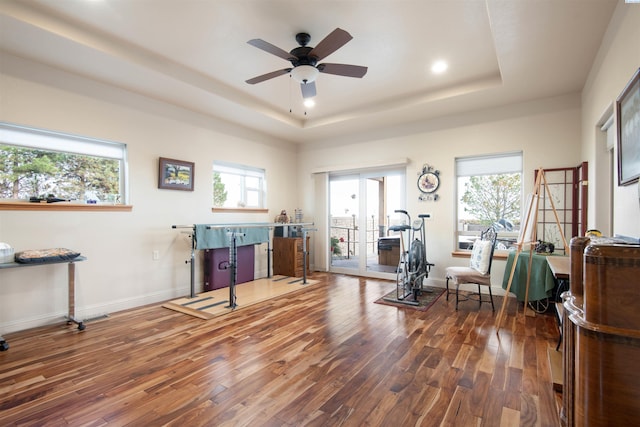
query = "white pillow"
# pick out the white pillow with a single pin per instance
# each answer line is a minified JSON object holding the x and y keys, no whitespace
{"x":480,"y":256}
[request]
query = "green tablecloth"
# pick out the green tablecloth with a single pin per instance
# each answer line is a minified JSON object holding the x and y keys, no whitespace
{"x":541,"y":283}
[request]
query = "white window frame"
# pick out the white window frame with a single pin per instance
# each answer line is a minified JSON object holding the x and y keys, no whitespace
{"x":244,"y":172}
{"x":490,"y":164}
{"x":46,"y":140}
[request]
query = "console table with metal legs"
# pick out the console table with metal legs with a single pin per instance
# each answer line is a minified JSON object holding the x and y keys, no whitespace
{"x":4,"y":345}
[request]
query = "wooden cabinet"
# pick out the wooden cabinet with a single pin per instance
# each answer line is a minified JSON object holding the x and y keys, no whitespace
{"x":389,"y":251}
{"x":288,"y":256}
{"x":601,"y":335}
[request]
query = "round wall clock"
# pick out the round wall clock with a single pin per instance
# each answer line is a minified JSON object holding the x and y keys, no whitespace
{"x":428,"y":182}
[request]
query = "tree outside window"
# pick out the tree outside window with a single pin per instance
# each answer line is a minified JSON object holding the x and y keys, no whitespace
{"x":38,"y":163}
{"x":26,"y":173}
{"x":491,"y":199}
{"x":219,"y":191}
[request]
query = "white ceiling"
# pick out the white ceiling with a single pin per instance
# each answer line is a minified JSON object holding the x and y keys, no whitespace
{"x":194,"y":54}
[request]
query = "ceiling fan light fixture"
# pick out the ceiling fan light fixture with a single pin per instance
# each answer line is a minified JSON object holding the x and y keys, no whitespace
{"x":309,"y":103}
{"x":305,"y":73}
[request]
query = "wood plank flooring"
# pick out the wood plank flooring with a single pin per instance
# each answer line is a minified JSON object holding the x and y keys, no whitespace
{"x":323,"y":356}
{"x":207,"y":305}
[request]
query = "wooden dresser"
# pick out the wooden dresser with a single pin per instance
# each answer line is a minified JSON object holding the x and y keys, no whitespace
{"x":601,"y":335}
{"x":288,"y":256}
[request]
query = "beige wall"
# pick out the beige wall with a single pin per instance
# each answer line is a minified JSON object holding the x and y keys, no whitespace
{"x":618,"y":59}
{"x":546,"y":131}
{"x":120,"y":272}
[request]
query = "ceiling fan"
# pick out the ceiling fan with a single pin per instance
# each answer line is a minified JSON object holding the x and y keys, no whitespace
{"x":305,"y":60}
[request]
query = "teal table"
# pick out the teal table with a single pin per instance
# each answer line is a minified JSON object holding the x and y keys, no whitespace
{"x":542,"y":281}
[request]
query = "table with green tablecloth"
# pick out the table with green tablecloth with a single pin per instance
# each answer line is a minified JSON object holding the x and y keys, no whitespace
{"x":541,"y":283}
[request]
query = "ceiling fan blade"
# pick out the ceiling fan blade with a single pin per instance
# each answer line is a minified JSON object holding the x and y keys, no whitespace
{"x":334,"y":41}
{"x":343,"y":70}
{"x":267,"y":76}
{"x":274,"y":50}
{"x":308,"y":89}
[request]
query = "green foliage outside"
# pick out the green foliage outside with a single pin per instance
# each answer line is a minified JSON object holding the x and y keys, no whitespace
{"x":490,"y":198}
{"x":26,"y":173}
{"x":219,"y":191}
{"x":335,"y":246}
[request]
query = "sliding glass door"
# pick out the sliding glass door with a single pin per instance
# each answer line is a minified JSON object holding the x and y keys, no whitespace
{"x":361,"y":207}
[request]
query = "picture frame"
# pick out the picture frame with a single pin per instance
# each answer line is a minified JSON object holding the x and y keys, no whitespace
{"x":175,"y":174}
{"x":628,"y":131}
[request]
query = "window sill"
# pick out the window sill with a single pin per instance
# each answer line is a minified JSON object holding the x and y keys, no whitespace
{"x":239,"y":210}
{"x":62,"y":206}
{"x":467,"y":254}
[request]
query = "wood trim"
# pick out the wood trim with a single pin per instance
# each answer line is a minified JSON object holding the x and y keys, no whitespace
{"x":467,"y":254}
{"x":622,"y":333}
{"x":239,"y":210}
{"x":62,"y":206}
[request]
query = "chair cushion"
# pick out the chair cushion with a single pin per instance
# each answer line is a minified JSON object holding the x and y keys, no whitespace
{"x":481,"y":256}
{"x":460,"y":275}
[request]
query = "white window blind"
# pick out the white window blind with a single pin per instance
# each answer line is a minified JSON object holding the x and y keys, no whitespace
{"x":39,"y":139}
{"x":489,"y":165}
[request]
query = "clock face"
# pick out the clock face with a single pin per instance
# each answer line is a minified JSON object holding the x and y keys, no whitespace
{"x":428,"y":182}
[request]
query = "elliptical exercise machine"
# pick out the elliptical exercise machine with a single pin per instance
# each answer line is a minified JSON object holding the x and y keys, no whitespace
{"x":413,"y":266}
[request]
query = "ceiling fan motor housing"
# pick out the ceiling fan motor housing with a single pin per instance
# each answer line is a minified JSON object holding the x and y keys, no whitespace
{"x":303,"y":58}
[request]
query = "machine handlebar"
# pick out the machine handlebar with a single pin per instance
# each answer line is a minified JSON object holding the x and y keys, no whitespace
{"x":401,"y":227}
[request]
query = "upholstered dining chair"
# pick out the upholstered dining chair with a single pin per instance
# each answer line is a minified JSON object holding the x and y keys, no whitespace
{"x":478,"y":271}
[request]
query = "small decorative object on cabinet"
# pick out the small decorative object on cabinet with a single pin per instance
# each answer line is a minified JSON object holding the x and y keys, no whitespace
{"x":288,"y":256}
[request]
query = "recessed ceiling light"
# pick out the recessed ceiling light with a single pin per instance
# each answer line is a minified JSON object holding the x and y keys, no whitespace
{"x":439,"y":67}
{"x":309,"y":102}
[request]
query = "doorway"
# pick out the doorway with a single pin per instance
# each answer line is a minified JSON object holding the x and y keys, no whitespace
{"x":361,"y":208}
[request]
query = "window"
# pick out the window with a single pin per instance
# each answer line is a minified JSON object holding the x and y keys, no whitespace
{"x":37,"y":163}
{"x":489,"y":193}
{"x":238,"y":186}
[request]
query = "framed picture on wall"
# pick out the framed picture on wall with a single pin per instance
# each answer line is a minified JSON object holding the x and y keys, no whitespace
{"x":628,"y":123}
{"x":175,"y":174}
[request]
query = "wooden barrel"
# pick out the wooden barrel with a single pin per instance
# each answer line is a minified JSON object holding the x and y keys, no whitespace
{"x":606,"y":380}
{"x":612,"y":285}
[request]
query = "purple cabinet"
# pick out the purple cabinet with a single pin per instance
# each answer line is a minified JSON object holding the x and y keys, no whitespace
{"x":217,"y":273}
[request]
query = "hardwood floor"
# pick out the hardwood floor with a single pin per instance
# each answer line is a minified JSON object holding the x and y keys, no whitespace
{"x":324,"y":356}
